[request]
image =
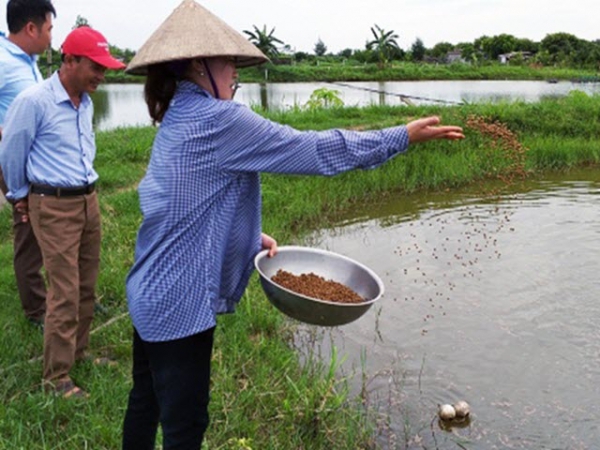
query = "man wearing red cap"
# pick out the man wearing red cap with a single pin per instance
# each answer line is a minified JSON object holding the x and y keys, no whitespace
{"x":47,"y":155}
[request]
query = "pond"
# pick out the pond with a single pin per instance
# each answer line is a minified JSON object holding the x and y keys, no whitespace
{"x":491,"y":299}
{"x":123,"y":104}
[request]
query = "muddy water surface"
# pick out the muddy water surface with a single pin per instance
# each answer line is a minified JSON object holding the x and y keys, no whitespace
{"x":494,"y":300}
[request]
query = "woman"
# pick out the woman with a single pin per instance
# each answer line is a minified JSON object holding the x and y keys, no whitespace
{"x":201,"y":205}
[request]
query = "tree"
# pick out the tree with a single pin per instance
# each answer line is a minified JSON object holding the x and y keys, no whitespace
{"x":124,"y":55}
{"x":365,"y":56}
{"x":81,"y":22}
{"x":498,"y":45}
{"x":558,"y":46}
{"x":527,"y":45}
{"x":441,"y":49}
{"x":481,"y":43}
{"x":384,"y":45}
{"x":301,"y":56}
{"x":467,"y":51}
{"x":418,"y":50}
{"x":320,"y":48}
{"x":266,"y":42}
{"x":346,"y":53}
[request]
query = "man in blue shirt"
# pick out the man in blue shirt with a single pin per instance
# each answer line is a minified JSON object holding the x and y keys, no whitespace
{"x":47,"y":156}
{"x":30,"y":32}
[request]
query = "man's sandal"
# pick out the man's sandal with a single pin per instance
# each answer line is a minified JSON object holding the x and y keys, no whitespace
{"x":66,"y":389}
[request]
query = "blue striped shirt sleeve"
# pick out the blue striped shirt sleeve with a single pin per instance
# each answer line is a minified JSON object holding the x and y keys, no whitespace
{"x":251,"y":143}
{"x":20,"y":126}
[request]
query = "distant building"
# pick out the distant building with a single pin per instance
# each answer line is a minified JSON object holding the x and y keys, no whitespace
{"x":455,"y":56}
{"x":506,"y":57}
{"x":430,"y":60}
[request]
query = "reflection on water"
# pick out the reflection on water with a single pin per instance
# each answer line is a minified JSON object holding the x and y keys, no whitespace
{"x":124,"y":105}
{"x":493,"y":301}
{"x":100,"y":99}
{"x":120,"y":105}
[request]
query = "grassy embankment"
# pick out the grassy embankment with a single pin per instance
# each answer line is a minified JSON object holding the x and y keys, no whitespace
{"x":263,"y":398}
{"x":405,"y":71}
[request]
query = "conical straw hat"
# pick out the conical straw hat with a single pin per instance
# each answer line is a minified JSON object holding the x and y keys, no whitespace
{"x":192,"y":31}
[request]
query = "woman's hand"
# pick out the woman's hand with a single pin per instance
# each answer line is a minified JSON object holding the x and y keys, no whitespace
{"x":426,"y":129}
{"x":268,"y":243}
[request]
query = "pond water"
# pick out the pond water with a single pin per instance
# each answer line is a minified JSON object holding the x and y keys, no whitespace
{"x":492,"y":300}
{"x":123,"y":104}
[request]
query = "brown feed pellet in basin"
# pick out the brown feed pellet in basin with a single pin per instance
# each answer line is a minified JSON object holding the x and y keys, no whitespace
{"x":315,"y":286}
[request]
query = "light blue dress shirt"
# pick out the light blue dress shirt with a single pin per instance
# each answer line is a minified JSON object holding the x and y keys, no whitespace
{"x":18,"y":71}
{"x":47,"y":140}
{"x":201,"y":204}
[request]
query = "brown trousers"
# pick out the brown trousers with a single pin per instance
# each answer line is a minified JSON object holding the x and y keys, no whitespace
{"x":27,"y":262}
{"x":68,"y":231}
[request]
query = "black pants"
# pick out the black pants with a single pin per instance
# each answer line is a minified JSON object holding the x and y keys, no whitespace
{"x":171,"y":387}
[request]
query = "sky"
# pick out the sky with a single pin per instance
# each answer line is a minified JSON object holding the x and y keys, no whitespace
{"x":340,"y":24}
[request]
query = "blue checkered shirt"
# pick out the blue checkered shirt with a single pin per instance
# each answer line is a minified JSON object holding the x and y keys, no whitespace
{"x":201,"y":204}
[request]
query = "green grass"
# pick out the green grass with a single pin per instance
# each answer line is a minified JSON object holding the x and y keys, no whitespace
{"x":263,"y":397}
{"x":404,"y":71}
{"x":396,"y":71}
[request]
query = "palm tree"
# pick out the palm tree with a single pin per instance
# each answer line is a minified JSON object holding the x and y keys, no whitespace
{"x":384,"y":44}
{"x":264,"y":41}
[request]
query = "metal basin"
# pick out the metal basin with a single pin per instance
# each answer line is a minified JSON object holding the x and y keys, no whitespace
{"x":329,"y":265}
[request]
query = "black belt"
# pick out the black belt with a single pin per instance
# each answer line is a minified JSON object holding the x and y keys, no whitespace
{"x":62,"y":191}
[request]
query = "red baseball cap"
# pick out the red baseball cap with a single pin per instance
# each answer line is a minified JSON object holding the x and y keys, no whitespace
{"x":84,"y":41}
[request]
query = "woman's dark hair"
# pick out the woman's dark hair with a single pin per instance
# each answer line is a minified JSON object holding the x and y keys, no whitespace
{"x":20,"y":12}
{"x":161,"y":83}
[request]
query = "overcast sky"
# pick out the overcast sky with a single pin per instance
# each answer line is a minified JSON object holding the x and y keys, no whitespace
{"x":341,"y":24}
